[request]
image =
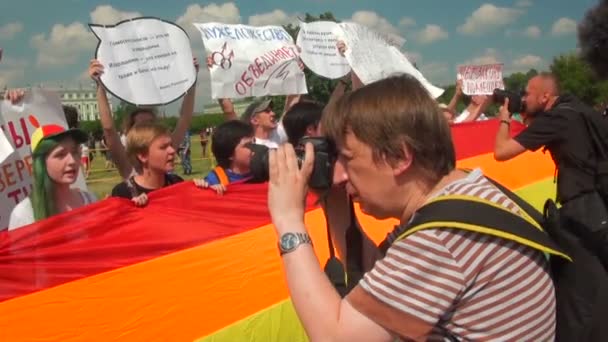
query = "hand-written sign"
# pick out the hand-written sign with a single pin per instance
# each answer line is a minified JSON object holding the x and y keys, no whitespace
{"x":147,"y":61}
{"x":373,"y":59}
{"x":480,"y":79}
{"x":318,"y":50}
{"x":251,"y":61}
{"x":17,"y":124}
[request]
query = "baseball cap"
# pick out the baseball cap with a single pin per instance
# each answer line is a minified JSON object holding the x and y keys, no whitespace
{"x":254,"y":108}
{"x":56,"y":131}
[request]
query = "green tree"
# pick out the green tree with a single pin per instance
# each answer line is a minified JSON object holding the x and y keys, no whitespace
{"x":576,"y":77}
{"x":517,"y":82}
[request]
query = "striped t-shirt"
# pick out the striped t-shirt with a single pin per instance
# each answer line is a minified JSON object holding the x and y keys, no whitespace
{"x":462,"y":284}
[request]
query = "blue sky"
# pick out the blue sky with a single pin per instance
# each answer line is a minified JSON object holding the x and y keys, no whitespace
{"x":49,"y":41}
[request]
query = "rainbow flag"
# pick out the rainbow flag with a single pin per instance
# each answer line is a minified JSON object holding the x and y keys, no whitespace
{"x":191,"y":266}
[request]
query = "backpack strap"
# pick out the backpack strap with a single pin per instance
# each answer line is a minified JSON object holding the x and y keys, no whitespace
{"x":475,"y":214}
{"x":221,"y":175}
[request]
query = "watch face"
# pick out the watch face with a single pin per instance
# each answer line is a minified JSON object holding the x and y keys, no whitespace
{"x":289,"y":241}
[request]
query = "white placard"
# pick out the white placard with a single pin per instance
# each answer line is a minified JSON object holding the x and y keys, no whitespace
{"x":251,"y":61}
{"x":147,"y":61}
{"x":317,"y":45}
{"x":16,"y":170}
{"x":373,"y":59}
{"x":480,"y":79}
{"x":5,"y":147}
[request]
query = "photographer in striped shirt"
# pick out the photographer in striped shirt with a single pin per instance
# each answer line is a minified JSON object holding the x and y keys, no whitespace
{"x":395,"y":155}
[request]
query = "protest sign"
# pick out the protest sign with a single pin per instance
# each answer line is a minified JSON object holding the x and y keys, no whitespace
{"x":480,"y":79}
{"x":18,"y":124}
{"x":5,"y":147}
{"x":147,"y":61}
{"x":373,"y":59}
{"x":251,"y":61}
{"x":317,"y":44}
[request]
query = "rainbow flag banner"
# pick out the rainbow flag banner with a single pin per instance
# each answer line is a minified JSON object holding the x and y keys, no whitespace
{"x":190,"y":266}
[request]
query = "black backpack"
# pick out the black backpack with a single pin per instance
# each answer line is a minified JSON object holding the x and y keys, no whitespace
{"x":581,"y":282}
{"x":596,"y":125}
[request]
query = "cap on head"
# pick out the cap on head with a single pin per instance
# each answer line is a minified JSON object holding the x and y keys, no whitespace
{"x":254,"y":108}
{"x":54,"y":131}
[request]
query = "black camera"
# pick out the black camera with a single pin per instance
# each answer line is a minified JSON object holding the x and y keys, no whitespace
{"x":322,"y":172}
{"x":516,"y":104}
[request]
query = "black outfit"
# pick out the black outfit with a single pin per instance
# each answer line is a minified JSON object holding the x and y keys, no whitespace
{"x":130,"y":188}
{"x":582,"y":223}
{"x":563,"y":132}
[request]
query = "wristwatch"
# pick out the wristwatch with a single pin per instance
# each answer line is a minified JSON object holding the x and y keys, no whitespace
{"x":290,"y":241}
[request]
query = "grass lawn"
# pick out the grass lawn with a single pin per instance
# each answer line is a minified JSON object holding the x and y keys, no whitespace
{"x":101,"y":180}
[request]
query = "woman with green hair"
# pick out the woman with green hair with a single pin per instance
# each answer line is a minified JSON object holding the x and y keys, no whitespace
{"x":55,"y":167}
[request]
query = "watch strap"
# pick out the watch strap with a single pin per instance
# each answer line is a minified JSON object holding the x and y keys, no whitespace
{"x":302,"y":239}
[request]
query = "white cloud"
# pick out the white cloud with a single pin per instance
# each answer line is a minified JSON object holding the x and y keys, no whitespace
{"x":12,"y":72}
{"x":523,"y":3}
{"x":63,"y":45}
{"x":10,"y":30}
{"x":108,"y":15}
{"x":532,"y":32}
{"x":563,"y":27}
{"x":528,"y":61}
{"x":276,"y":17}
{"x":487,"y":18}
{"x":378,"y":24}
{"x":431,"y":33}
{"x":226,"y":13}
{"x":490,"y":56}
{"x":407,"y":22}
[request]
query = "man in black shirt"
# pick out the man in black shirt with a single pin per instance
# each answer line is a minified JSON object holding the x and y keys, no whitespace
{"x":557,"y":124}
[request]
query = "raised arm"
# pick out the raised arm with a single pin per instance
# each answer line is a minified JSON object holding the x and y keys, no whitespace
{"x":355,"y":81}
{"x":486,"y":100}
{"x":117,"y":150}
{"x":186,"y":112}
{"x":457,"y":95}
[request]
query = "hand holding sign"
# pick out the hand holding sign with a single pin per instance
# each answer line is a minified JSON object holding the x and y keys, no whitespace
{"x":251,"y":61}
{"x":144,"y":61}
{"x":373,"y":59}
{"x":317,"y":44}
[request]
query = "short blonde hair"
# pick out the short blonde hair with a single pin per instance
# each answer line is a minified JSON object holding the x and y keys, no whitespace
{"x":141,"y":136}
{"x":392,"y":112}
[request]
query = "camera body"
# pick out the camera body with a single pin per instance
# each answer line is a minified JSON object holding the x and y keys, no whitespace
{"x":516,"y":104}
{"x":323,"y":168}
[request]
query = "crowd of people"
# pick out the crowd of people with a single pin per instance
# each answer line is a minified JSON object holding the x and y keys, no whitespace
{"x":394,"y":156}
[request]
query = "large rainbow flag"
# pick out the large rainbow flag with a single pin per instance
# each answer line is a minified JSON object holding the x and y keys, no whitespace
{"x":191,"y":266}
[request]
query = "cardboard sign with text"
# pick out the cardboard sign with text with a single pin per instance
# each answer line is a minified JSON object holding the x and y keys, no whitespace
{"x":318,"y":49}
{"x":147,"y":61}
{"x":480,"y":79}
{"x":251,"y":61}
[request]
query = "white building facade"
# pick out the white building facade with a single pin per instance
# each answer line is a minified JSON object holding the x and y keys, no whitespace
{"x":84,"y":100}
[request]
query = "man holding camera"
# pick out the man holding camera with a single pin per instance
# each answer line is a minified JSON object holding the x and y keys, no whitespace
{"x":558,"y":125}
{"x":395,"y":156}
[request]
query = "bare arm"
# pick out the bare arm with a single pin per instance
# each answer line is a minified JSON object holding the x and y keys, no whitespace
{"x":355,"y":80}
{"x":228,"y":109}
{"x":185,"y":113}
{"x":117,"y":150}
{"x":506,"y":147}
{"x":457,"y":95}
{"x":474,"y":115}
